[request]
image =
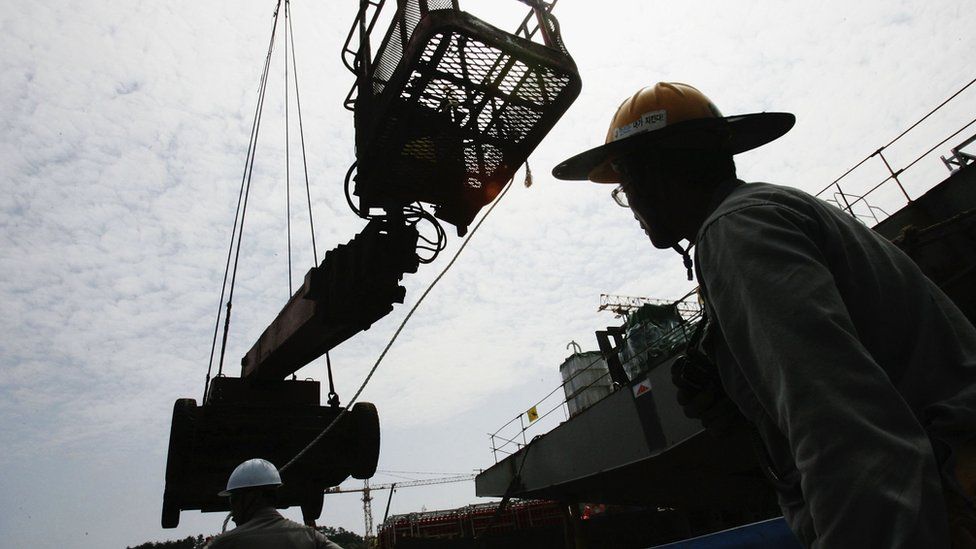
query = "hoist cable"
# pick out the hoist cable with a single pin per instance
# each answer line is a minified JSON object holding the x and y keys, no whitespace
{"x":252,"y":140}
{"x":247,"y":189}
{"x":399,"y":329}
{"x":333,"y":397}
{"x":287,"y":155}
{"x":301,"y":130}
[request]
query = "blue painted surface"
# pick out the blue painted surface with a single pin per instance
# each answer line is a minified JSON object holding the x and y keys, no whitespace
{"x":768,"y":534}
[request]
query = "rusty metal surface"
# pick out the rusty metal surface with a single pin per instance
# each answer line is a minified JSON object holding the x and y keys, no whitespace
{"x":356,"y":285}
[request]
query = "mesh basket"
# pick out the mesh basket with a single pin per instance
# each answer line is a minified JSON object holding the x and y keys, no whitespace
{"x":455,"y":112}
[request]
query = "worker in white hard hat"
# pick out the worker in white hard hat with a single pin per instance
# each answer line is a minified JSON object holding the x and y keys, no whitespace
{"x":252,"y":491}
{"x":856,"y":371}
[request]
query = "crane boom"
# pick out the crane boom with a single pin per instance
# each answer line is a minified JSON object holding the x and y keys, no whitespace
{"x":368,"y":499}
{"x":622,"y":305}
{"x":404,"y":484}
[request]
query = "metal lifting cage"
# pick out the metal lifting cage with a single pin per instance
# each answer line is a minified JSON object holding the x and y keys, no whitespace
{"x":450,"y":107}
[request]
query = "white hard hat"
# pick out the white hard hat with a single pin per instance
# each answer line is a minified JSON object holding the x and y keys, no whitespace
{"x":252,"y":473}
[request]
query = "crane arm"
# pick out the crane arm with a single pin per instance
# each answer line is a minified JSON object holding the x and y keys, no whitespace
{"x":404,"y":484}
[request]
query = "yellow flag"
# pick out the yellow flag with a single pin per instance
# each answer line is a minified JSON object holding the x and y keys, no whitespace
{"x":533,"y":414}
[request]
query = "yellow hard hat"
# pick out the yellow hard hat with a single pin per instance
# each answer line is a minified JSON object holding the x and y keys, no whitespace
{"x":672,"y":115}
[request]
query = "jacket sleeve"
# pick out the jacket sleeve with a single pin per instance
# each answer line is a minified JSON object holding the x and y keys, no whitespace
{"x":867,"y":470}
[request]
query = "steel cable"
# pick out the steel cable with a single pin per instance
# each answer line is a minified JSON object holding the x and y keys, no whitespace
{"x":301,"y":130}
{"x":238,"y":215}
{"x":247,"y":190}
{"x":287,"y":155}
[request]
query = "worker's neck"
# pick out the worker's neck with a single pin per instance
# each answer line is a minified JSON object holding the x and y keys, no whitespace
{"x":692,"y":204}
{"x":247,"y":505}
{"x":250,"y":514}
{"x":703,"y":200}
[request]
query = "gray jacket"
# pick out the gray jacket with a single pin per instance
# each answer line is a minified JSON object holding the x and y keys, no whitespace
{"x":849,"y":361}
{"x":269,"y":530}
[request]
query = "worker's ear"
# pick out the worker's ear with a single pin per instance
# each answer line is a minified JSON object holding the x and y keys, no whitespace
{"x":699,"y":166}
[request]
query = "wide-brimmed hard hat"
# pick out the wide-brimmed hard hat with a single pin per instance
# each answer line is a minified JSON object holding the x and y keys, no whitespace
{"x":677,"y":116}
{"x":252,"y":474}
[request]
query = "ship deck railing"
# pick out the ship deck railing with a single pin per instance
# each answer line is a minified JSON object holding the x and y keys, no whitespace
{"x":518,"y":431}
{"x":895,"y":189}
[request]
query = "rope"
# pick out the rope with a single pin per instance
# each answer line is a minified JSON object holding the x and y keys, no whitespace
{"x":301,"y":130}
{"x":287,"y":156}
{"x":247,"y":191}
{"x":239,"y":213}
{"x":399,"y":329}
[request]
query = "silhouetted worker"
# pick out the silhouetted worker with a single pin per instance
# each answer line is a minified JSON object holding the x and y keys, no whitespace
{"x":252,"y":490}
{"x":857,"y":372}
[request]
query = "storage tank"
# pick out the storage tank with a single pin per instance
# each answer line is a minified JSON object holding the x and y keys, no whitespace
{"x":586,"y":379}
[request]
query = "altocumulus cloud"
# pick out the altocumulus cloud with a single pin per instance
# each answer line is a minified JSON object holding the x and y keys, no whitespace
{"x":122,"y":137}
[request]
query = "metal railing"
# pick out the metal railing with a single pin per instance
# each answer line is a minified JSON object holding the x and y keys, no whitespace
{"x":960,"y":158}
{"x":857,"y":204}
{"x":514,"y":434}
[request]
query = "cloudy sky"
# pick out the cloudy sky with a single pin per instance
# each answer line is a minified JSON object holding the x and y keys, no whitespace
{"x":123,"y":131}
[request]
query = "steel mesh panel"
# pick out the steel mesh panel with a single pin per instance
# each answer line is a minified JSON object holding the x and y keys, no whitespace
{"x":543,"y":86}
{"x":480,"y":159}
{"x":465,"y":60}
{"x":485,"y":94}
{"x":467,"y":71}
{"x":518,"y":121}
{"x":440,"y":4}
{"x":405,"y":21}
{"x":513,"y":79}
{"x":410,"y":17}
{"x":459,"y":115}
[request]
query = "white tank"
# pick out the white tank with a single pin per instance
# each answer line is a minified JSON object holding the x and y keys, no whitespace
{"x":586,"y":379}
